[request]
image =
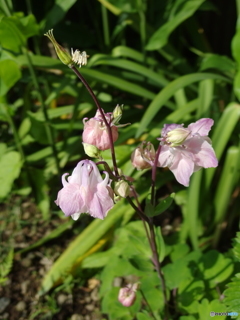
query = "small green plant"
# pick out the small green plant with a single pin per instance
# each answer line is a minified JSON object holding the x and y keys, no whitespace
{"x":6,"y":266}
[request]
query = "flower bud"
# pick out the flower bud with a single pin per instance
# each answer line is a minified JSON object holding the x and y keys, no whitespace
{"x":96,"y":133}
{"x":62,"y":54}
{"x":143,"y":156}
{"x":117,"y":113}
{"x":127,"y":295}
{"x":177,"y":136}
{"x":91,"y":150}
{"x":122,"y":189}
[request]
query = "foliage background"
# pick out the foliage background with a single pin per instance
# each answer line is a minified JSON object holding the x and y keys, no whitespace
{"x":166,"y":61}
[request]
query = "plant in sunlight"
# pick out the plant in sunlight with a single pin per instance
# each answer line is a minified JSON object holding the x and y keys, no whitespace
{"x":183,"y":150}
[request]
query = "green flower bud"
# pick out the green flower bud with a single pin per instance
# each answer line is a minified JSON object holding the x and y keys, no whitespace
{"x":117,"y":114}
{"x":177,"y":136}
{"x":122,"y":189}
{"x":62,"y":54}
{"x":91,"y":151}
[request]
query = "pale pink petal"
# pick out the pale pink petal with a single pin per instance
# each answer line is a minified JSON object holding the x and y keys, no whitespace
{"x":169,"y":127}
{"x":166,"y":156}
{"x":101,"y":202}
{"x":76,"y":174}
{"x":202,"y":126}
{"x":204,"y":155}
{"x":182,"y":168}
{"x":69,"y":199}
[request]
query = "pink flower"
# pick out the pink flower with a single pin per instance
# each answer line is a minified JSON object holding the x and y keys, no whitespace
{"x":127,"y":295}
{"x":186,"y":150}
{"x":85,"y":192}
{"x":95,"y":131}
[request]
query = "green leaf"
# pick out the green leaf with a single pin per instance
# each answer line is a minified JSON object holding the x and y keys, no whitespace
{"x":215,"y":267}
{"x":220,"y":63}
{"x":189,"y":294}
{"x":123,"y":51}
{"x":232,"y":295}
{"x":38,"y":129}
{"x":192,"y":207}
{"x":164,"y":204}
{"x":15,"y":30}
{"x":24,"y":128}
{"x":228,"y":180}
{"x":118,"y":83}
{"x":206,"y":307}
{"x":82,"y":245}
{"x":222,"y":134}
{"x":160,"y":244}
{"x":130,"y":66}
{"x":6,"y":264}
{"x":165,"y":94}
{"x":41,"y":189}
{"x":236,"y":246}
{"x":142,"y":316}
{"x":181,"y":267}
{"x":179,"y":250}
{"x":10,"y":166}
{"x":9,"y":75}
{"x":206,"y":89}
{"x":160,"y":37}
{"x":57,"y":13}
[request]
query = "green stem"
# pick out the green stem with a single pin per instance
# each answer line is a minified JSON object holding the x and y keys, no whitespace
{"x":48,"y":127}
{"x":142,"y":27}
{"x":105,"y":26}
{"x":158,"y":266}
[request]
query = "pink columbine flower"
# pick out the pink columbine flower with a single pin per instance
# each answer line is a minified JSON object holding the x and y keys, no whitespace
{"x":127,"y":295}
{"x":85,"y":191}
{"x":186,"y":150}
{"x":95,"y":131}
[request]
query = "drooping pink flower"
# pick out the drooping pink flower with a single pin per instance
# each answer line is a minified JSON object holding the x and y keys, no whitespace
{"x":95,"y":131}
{"x":127,"y":295}
{"x":186,"y":150}
{"x":85,"y":191}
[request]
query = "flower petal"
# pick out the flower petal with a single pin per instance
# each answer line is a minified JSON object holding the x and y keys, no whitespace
{"x":202,"y":126}
{"x":169,"y":127}
{"x":182,"y":168}
{"x":69,"y":199}
{"x":75,"y":216}
{"x":166,"y":156}
{"x":204,"y":155}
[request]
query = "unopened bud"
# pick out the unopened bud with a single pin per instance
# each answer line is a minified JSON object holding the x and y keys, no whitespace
{"x":177,"y":136}
{"x":127,"y":295}
{"x":143,"y":156}
{"x":117,"y":113}
{"x":91,"y":150}
{"x":62,"y":54}
{"x":122,"y":189}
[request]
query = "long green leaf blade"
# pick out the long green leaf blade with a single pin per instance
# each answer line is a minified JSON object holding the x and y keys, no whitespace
{"x":166,"y":93}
